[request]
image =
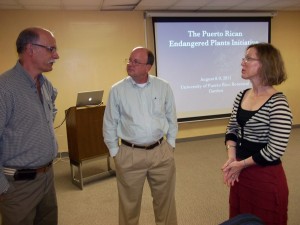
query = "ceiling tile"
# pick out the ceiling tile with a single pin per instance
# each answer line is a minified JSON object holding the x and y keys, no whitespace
{"x":119,"y":2}
{"x":253,"y":4}
{"x":39,"y":2}
{"x":156,"y":3}
{"x":189,"y":4}
{"x":119,"y":5}
{"x":82,"y":5}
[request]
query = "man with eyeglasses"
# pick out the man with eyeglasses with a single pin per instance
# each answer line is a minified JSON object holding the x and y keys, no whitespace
{"x":27,"y":140}
{"x":140,"y":112}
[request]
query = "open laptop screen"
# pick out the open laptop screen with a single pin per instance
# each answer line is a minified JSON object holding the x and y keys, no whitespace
{"x":89,"y":98}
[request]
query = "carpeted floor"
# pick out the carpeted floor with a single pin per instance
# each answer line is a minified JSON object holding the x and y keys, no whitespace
{"x":202,"y":198}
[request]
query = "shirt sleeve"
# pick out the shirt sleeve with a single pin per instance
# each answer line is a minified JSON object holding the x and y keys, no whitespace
{"x":280,"y":129}
{"x":233,"y":126}
{"x":171,"y":117}
{"x":3,"y":118}
{"x":110,"y":124}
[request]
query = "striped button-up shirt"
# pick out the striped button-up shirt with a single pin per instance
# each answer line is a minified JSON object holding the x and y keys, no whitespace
{"x":27,"y":138}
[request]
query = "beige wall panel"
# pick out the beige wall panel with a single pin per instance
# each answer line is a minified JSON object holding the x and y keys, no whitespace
{"x":285,"y":36}
{"x":93,"y":46}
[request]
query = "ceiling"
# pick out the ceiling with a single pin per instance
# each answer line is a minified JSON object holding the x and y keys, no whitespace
{"x":154,"y":5}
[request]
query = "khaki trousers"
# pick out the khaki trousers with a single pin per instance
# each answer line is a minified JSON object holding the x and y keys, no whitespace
{"x":30,"y":202}
{"x":133,"y":167}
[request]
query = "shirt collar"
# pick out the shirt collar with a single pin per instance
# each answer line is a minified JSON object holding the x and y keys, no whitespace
{"x":129,"y":78}
{"x":25,"y":74}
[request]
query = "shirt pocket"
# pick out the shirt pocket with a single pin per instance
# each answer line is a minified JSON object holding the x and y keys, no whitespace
{"x":158,"y":107}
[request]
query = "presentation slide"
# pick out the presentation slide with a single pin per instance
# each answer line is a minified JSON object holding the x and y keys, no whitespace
{"x":202,"y":61}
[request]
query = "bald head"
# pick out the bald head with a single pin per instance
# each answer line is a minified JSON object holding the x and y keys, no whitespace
{"x":30,"y":35}
{"x":150,"y":55}
{"x":37,"y":50}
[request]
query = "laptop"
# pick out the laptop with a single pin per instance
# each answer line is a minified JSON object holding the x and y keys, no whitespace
{"x":89,"y":98}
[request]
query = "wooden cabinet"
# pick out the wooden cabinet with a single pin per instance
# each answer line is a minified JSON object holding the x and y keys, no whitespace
{"x":85,"y":138}
{"x":84,"y":133}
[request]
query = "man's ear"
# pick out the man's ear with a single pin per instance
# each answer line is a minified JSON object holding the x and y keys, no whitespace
{"x":148,"y":66}
{"x":29,"y":49}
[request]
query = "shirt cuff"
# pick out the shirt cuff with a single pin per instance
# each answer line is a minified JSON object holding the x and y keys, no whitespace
{"x":171,"y":142}
{"x":113,"y":151}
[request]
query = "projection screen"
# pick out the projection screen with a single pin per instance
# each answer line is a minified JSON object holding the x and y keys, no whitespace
{"x":201,"y":59}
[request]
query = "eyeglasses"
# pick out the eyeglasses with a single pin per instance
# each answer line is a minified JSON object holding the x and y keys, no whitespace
{"x":51,"y":49}
{"x":249,"y":59}
{"x":134,"y":62}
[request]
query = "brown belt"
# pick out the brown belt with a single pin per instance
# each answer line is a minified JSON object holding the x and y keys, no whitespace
{"x":44,"y":169}
{"x":145,"y":147}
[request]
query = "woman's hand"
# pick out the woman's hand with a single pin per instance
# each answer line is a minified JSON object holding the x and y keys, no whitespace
{"x":231,"y":171}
